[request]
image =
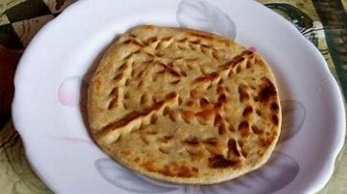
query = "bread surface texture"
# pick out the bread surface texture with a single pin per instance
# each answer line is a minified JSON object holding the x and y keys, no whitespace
{"x":184,"y":106}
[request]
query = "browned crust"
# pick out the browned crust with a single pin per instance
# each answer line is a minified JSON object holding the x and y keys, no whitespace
{"x":184,"y":106}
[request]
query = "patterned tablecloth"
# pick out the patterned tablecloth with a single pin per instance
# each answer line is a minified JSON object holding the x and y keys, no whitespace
{"x":323,"y":22}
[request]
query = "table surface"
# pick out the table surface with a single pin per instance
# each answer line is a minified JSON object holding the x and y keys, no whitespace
{"x":21,"y":19}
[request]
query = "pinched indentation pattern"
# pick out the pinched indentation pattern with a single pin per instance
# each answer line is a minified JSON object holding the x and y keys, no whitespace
{"x":189,"y":99}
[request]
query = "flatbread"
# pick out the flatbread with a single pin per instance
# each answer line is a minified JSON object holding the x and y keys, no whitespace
{"x":184,"y":106}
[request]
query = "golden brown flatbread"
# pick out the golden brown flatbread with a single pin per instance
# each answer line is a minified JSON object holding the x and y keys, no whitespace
{"x":184,"y":106}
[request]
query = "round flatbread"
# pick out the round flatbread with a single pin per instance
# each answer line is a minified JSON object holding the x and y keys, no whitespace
{"x":184,"y":106}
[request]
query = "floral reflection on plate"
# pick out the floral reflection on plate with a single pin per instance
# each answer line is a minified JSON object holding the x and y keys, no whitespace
{"x":50,"y":114}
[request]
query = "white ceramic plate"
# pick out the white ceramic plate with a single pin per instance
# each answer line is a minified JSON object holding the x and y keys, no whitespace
{"x":49,"y":104}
